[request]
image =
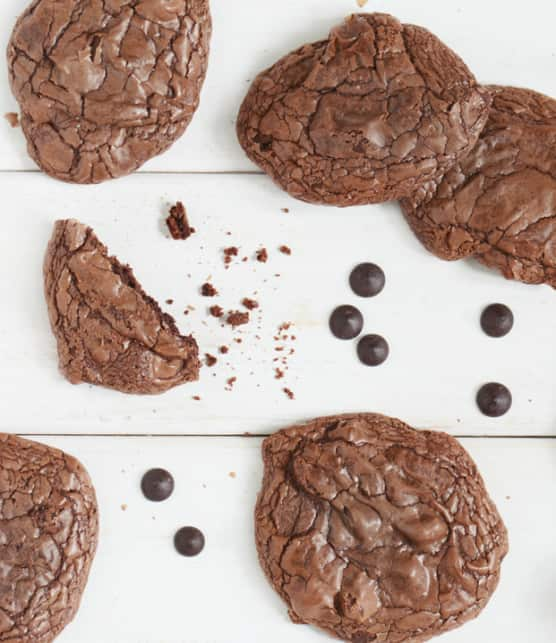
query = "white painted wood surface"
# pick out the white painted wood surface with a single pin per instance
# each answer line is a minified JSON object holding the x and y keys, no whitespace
{"x":140,"y":590}
{"x":429,"y":312}
{"x":502,"y":41}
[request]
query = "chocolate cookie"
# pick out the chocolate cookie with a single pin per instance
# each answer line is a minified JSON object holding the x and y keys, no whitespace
{"x":105,"y":86}
{"x":109,"y":332}
{"x":367,"y":116}
{"x":499,"y":203}
{"x":48,"y":539}
{"x":374,"y":531}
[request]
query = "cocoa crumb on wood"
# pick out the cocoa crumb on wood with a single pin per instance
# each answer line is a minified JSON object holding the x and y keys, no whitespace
{"x":262,"y":255}
{"x":237,"y":318}
{"x":216,"y":311}
{"x":210,"y":360}
{"x":250,"y":304}
{"x":12,"y":118}
{"x":178,"y":224}
{"x":208,"y":290}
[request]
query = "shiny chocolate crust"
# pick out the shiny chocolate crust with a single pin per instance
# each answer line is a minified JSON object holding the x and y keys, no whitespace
{"x":374,"y":531}
{"x":109,"y":332}
{"x":48,"y":539}
{"x":499,"y":203}
{"x":104,"y":85}
{"x":367,"y":116}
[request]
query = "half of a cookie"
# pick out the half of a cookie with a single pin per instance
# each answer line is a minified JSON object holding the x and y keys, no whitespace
{"x":376,"y":532}
{"x":109,"y":332}
{"x":499,"y":203}
{"x":105,"y":86}
{"x":366,"y":116}
{"x":49,"y":532}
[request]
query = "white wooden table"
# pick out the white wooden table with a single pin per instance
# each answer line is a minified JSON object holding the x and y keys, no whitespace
{"x":140,"y":590}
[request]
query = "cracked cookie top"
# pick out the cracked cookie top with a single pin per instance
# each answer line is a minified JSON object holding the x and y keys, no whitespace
{"x":48,"y":539}
{"x":367,"y":116}
{"x":374,"y":531}
{"x":108,"y":330}
{"x":499,"y":203}
{"x":104,"y":85}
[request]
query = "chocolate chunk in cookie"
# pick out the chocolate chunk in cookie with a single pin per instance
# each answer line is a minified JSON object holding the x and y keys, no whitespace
{"x":499,"y":203}
{"x":105,"y":86}
{"x":374,"y":531}
{"x":109,"y":332}
{"x":49,"y":532}
{"x":366,"y":116}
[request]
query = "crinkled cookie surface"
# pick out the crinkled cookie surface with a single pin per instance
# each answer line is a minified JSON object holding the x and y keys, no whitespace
{"x":367,"y":116}
{"x":376,"y":532}
{"x":104,"y":85}
{"x":108,"y":331}
{"x":48,"y":539}
{"x":499,"y":203}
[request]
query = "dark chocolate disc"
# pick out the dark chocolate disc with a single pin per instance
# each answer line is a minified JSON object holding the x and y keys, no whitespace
{"x":373,"y":350}
{"x":157,"y":485}
{"x":346,"y":322}
{"x":189,"y":541}
{"x":367,"y":280}
{"x":497,"y":320}
{"x":494,"y":399}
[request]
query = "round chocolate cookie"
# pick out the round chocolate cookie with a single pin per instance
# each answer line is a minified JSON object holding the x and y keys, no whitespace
{"x":105,"y":86}
{"x":49,"y":532}
{"x":499,"y":203}
{"x":374,"y":531}
{"x":366,"y":116}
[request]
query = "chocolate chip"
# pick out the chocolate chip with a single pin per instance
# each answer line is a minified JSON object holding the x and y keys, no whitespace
{"x":189,"y":541}
{"x":373,"y":350}
{"x":367,"y":280}
{"x":497,"y":320}
{"x":346,"y":322}
{"x":157,"y":485}
{"x":494,"y":399}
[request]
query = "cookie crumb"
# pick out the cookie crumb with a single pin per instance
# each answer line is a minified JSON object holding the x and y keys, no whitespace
{"x":124,"y":507}
{"x":237,"y":318}
{"x":279,"y":374}
{"x":250,"y":304}
{"x":178,"y":223}
{"x":232,"y":474}
{"x":285,"y":210}
{"x":216,"y":311}
{"x":210,"y":360}
{"x":289,"y":393}
{"x":229,"y":253}
{"x":224,"y":350}
{"x":208,"y":290}
{"x":169,"y":302}
{"x":196,"y":398}
{"x":285,"y":250}
{"x":262,"y":255}
{"x":230,"y":383}
{"x":12,"y":118}
{"x":362,"y":3}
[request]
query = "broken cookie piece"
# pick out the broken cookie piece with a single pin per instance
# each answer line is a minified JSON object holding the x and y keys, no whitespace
{"x":105,"y":86}
{"x":498,"y":204}
{"x":109,"y":331}
{"x":366,"y":116}
{"x":49,"y":533}
{"x":373,"y":531}
{"x":178,"y":223}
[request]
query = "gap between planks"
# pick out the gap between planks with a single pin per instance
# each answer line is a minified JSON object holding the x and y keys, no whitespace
{"x":251,"y":436}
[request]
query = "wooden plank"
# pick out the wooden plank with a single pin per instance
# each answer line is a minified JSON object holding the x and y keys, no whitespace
{"x":499,"y":40}
{"x":141,"y":591}
{"x":429,"y":312}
